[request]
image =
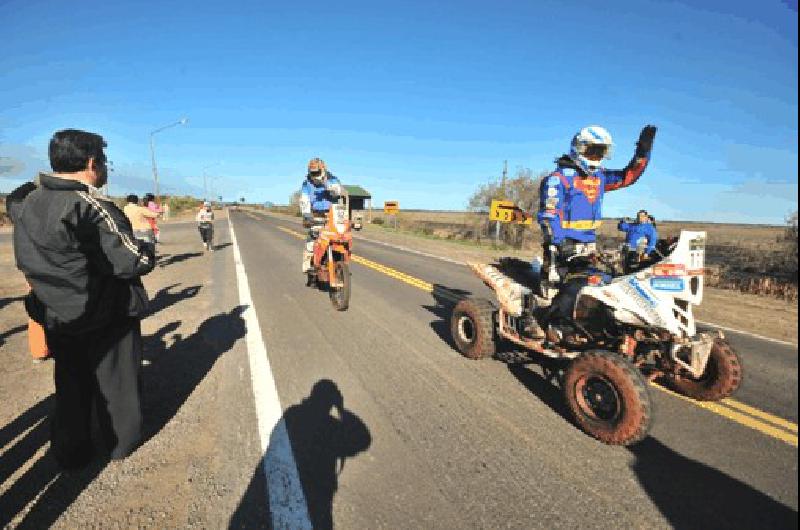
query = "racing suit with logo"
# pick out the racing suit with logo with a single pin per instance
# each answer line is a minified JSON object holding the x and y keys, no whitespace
{"x":570,"y":211}
{"x":640,"y":242}
{"x":315,"y":202}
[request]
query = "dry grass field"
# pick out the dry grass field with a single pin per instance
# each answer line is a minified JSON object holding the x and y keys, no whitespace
{"x":4,"y":220}
{"x":751,"y":258}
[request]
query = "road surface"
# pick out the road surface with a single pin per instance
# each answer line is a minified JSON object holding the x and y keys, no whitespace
{"x":457,"y":443}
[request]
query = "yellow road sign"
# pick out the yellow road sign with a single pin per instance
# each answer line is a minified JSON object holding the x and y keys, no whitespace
{"x":391,"y":207}
{"x":508,"y":212}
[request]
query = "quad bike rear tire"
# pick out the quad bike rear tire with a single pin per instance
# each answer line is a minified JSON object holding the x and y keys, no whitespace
{"x":721,"y":379}
{"x":608,"y":398}
{"x":340,"y":296}
{"x":472,"y":326}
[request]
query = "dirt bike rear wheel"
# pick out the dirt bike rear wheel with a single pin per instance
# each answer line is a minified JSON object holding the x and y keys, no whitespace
{"x":472,"y":326}
{"x":721,"y":379}
{"x":340,"y":296}
{"x":608,"y":398}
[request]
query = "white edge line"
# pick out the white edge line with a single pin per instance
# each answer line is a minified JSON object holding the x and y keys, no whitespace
{"x":456,"y":262}
{"x":287,"y":503}
{"x":754,"y":335}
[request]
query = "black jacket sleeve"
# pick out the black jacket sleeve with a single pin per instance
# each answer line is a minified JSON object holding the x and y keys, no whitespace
{"x":15,"y":198}
{"x":125,"y":256}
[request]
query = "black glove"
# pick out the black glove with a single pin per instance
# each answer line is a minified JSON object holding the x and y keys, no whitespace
{"x":645,"y":143}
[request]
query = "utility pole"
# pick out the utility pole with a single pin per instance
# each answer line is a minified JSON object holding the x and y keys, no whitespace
{"x":502,"y":196}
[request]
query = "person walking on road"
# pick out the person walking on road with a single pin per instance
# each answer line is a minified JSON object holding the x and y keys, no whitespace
{"x":83,"y":263}
{"x":205,"y":224}
{"x":152,"y":205}
{"x":140,"y":218}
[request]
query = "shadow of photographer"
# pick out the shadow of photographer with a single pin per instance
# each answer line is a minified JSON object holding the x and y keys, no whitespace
{"x":324,"y":435}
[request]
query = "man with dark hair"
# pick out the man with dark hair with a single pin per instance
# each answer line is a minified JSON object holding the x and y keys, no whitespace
{"x":78,"y":253}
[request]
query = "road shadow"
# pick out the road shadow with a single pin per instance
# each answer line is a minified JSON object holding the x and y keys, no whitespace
{"x":164,"y":297}
{"x":10,"y":300}
{"x":544,"y":385}
{"x":175,"y":372}
{"x":220,"y":247}
{"x":43,"y":483}
{"x":177,"y":258}
{"x":444,"y":300}
{"x":13,"y":331}
{"x":690,"y":494}
{"x":324,"y":435}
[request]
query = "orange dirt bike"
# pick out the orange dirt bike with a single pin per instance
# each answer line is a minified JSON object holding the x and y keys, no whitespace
{"x":330,"y":263}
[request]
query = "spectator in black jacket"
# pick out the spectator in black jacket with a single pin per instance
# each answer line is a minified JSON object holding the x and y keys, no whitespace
{"x":78,"y":253}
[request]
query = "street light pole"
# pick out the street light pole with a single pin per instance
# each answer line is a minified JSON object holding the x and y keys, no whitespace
{"x":205,"y":179}
{"x":182,"y":121}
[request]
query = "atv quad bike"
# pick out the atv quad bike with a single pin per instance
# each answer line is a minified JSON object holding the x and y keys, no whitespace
{"x":624,"y":331}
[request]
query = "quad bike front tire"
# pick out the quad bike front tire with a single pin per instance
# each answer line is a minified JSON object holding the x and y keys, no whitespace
{"x":721,"y":379}
{"x":340,"y":296}
{"x":608,"y":398}
{"x":472,"y":326}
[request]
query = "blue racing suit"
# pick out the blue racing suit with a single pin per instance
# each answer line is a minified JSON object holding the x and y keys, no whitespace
{"x":317,"y":199}
{"x":635,"y":232}
{"x":315,"y":202}
{"x":570,"y":202}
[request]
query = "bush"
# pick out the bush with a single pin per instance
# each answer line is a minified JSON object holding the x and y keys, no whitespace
{"x":378,"y":221}
{"x":181,"y":204}
{"x":522,"y":190}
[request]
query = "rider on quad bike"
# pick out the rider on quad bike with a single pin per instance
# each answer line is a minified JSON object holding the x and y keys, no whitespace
{"x":570,"y":204}
{"x":318,"y":191}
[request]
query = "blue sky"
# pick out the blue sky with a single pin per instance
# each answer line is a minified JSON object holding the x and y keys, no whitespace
{"x":418,"y":101}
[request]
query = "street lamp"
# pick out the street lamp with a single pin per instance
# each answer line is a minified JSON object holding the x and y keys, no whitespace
{"x":182,"y":121}
{"x":205,"y":179}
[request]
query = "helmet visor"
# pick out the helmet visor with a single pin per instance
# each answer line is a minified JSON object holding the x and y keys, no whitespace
{"x":596,"y":152}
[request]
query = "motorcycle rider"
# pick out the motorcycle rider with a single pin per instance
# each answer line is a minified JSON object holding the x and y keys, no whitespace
{"x":640,"y":239}
{"x":570,"y":204}
{"x":319,"y":190}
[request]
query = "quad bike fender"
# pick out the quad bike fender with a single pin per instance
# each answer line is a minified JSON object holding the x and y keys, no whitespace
{"x":693,"y":355}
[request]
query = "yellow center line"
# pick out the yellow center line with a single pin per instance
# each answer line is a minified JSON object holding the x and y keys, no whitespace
{"x":738,"y":417}
{"x":729,"y":408}
{"x":766,"y":416}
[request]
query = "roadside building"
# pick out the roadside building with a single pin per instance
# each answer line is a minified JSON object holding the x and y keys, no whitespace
{"x":360,"y":201}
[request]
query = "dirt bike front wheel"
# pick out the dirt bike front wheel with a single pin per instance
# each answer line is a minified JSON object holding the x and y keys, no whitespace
{"x":340,"y":296}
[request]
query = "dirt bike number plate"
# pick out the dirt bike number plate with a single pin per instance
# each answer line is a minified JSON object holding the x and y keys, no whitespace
{"x":339,"y":214}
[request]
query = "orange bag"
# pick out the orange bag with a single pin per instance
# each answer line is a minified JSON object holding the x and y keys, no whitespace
{"x":36,"y":341}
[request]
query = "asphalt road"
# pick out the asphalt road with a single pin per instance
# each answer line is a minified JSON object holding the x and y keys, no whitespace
{"x":430,"y":439}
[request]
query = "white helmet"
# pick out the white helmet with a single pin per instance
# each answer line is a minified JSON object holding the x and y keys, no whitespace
{"x":590,"y":147}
